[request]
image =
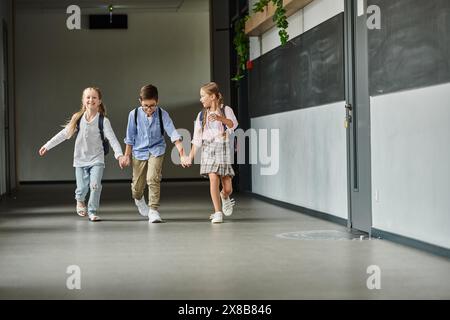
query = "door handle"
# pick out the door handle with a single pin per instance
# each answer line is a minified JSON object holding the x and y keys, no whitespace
{"x":348,"y":117}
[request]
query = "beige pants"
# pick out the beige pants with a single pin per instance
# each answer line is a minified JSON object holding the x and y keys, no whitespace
{"x":147,"y":172}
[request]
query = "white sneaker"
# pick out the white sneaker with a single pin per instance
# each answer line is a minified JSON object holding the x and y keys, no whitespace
{"x":94,"y":218}
{"x":153,"y":216}
{"x":142,"y":206}
{"x":227,"y":205}
{"x":217,"y":217}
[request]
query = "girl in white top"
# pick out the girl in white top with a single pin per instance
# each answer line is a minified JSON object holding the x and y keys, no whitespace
{"x":88,"y":156}
{"x":212,"y":128}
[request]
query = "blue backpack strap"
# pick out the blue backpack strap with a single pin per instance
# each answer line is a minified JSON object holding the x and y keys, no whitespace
{"x":135,"y":118}
{"x":100,"y":126}
{"x":105,"y":142}
{"x":161,"y":123}
{"x":78,"y":124}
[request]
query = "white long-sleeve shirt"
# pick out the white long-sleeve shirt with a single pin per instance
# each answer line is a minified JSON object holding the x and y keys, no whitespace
{"x":88,"y":144}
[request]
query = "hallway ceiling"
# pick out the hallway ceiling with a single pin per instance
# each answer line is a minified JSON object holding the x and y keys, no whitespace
{"x":100,"y":5}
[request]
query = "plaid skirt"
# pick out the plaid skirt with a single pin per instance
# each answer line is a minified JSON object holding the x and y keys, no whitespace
{"x":216,"y":158}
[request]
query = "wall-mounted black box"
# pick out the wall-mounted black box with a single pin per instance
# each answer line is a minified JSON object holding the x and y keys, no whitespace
{"x":105,"y":21}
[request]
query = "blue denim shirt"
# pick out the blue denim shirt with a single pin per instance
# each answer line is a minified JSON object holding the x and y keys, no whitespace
{"x":147,"y":140}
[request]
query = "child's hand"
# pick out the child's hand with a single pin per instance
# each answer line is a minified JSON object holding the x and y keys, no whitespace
{"x":186,"y":161}
{"x":213,"y":117}
{"x":183,"y":161}
{"x":42,"y":151}
{"x":122,"y":163}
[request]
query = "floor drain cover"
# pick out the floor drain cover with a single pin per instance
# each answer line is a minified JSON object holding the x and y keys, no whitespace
{"x":324,"y":235}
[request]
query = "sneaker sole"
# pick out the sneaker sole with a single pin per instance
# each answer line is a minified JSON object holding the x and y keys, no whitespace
{"x":157,"y":220}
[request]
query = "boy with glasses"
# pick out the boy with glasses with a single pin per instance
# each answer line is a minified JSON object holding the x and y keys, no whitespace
{"x":145,"y":148}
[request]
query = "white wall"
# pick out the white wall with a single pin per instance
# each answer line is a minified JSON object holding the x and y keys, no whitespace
{"x":307,"y":18}
{"x":410,"y":153}
{"x":410,"y":135}
{"x":313,"y":165}
{"x":319,"y":11}
{"x":54,"y":64}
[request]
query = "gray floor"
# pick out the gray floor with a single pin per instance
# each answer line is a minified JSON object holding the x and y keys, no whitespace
{"x":125,"y":257}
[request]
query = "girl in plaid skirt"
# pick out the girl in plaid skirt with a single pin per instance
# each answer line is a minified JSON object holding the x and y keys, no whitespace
{"x":212,"y":130}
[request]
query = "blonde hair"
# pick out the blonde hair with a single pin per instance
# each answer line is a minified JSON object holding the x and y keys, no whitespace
{"x":72,"y":123}
{"x":212,"y":88}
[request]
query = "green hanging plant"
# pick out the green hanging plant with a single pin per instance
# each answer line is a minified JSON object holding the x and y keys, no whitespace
{"x":241,"y":45}
{"x":241,"y":41}
{"x":279,"y":17}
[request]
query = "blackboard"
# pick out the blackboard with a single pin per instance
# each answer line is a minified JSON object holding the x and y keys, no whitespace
{"x":412,"y":47}
{"x":308,"y":71}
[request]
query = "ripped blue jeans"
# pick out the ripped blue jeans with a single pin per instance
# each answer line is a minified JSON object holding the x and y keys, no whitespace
{"x":89,"y":179}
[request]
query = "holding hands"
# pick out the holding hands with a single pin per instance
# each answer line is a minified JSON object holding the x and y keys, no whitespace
{"x":185,"y":161}
{"x":124,"y":161}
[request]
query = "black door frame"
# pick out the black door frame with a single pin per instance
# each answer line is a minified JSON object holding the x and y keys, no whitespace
{"x":5,"y":88}
{"x":357,"y":117}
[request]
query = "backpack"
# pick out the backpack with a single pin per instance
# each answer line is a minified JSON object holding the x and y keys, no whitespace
{"x":161,"y":123}
{"x":105,"y":141}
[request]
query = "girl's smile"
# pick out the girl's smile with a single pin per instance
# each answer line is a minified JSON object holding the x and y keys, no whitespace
{"x":91,"y":99}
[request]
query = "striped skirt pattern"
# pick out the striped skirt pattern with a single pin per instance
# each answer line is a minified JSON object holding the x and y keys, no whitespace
{"x":216,"y":158}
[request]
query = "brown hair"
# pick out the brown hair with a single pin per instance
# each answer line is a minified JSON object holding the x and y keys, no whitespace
{"x":72,"y":123}
{"x":212,"y":88}
{"x":149,"y":92}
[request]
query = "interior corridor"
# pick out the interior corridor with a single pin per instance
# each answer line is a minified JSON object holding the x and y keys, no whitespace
{"x":255,"y":254}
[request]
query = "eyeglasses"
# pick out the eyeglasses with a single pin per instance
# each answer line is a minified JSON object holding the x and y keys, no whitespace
{"x":149,"y":107}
